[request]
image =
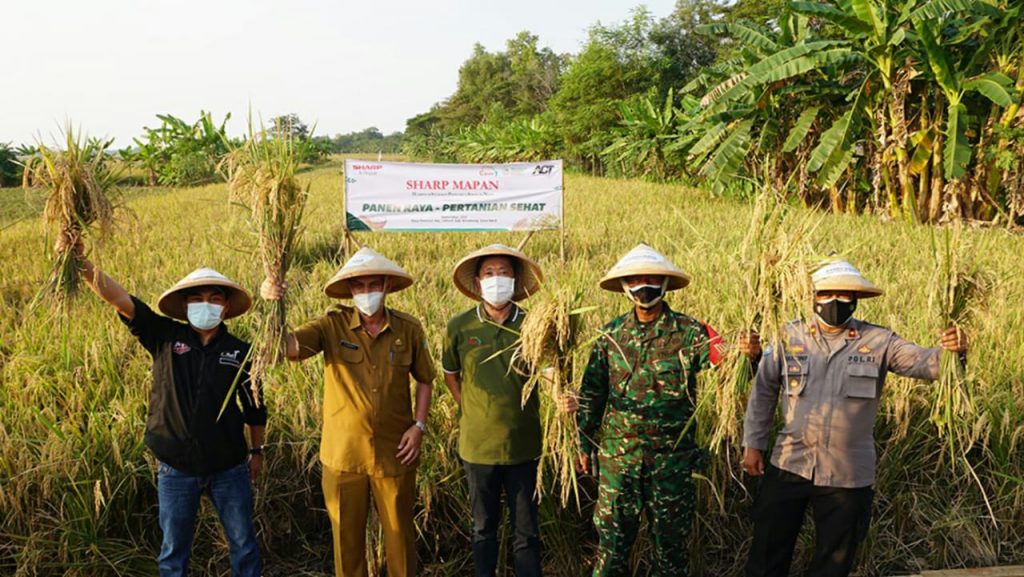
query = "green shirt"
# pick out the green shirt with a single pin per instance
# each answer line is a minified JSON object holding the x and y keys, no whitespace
{"x":494,"y":427}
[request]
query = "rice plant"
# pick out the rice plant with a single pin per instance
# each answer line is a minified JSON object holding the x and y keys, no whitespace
{"x":261,"y":179}
{"x":82,"y":199}
{"x":548,"y":343}
{"x":74,"y":407}
{"x":960,"y":287}
{"x":777,"y":257}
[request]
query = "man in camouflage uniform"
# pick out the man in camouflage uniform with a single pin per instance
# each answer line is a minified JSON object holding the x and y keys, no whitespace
{"x":638,"y":391}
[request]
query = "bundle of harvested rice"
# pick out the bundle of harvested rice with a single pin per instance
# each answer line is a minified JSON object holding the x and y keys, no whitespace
{"x":82,"y":200}
{"x":261,"y":179}
{"x":548,"y":346}
{"x":777,"y":254}
{"x":960,"y":287}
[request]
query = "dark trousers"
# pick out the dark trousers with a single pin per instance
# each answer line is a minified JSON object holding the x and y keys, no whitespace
{"x":841,"y":518}
{"x":519,"y":483}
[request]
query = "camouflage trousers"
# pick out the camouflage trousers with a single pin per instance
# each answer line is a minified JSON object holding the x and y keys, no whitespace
{"x":658,"y":483}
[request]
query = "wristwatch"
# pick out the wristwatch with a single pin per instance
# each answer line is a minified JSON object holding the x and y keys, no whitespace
{"x":421,"y":426}
{"x":256,"y":450}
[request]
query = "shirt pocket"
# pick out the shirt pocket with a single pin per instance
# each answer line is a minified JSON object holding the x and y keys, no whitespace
{"x":796,"y":369}
{"x":400,"y":356}
{"x":861,"y":381}
{"x":350,"y":356}
{"x":670,"y":372}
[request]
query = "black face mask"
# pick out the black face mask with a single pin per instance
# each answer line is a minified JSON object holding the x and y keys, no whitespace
{"x":835,"y":312}
{"x":646,"y":296}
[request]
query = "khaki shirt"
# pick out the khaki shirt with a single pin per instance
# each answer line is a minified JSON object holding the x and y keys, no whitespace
{"x":829,"y":400}
{"x":367,"y":402}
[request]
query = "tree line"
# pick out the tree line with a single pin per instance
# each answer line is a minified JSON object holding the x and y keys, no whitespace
{"x":908,"y":108}
{"x":177,"y":152}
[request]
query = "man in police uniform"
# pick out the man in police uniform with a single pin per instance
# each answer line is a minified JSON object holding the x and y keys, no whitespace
{"x":196,"y":363}
{"x":499,"y":436}
{"x":638,"y":392}
{"x":371,"y":439}
{"x":830,"y":373}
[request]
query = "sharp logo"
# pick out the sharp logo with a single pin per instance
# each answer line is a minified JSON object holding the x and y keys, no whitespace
{"x":367,"y":166}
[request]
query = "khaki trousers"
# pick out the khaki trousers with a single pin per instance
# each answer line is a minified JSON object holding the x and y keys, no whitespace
{"x":347,"y":497}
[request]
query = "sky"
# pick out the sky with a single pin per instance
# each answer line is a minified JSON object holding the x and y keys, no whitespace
{"x":109,"y":66}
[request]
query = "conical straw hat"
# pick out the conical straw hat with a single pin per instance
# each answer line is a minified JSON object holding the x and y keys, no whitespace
{"x":840,"y":275}
{"x":528,"y":274}
{"x":643,"y":260}
{"x":367,"y":262}
{"x":172,"y":302}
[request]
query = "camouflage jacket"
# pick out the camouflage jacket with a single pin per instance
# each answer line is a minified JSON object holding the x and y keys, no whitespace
{"x":640,"y":384}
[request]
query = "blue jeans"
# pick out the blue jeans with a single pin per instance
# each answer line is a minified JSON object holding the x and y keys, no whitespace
{"x":231,"y":493}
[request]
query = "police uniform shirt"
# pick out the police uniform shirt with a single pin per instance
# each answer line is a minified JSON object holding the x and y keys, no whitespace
{"x":830,"y":398}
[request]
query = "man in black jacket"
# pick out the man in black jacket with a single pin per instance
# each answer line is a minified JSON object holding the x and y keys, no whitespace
{"x":199,"y":449}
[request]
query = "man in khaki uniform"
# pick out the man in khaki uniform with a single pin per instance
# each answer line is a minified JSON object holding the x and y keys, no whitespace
{"x":830,"y":374}
{"x":371,"y":441}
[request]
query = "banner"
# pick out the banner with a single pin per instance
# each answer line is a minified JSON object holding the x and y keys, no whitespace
{"x":403,"y":196}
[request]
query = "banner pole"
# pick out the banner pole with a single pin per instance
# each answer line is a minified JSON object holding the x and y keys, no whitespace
{"x":344,"y":211}
{"x":561,"y":225}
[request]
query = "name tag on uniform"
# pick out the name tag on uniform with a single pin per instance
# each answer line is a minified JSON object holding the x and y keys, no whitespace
{"x":349,"y":345}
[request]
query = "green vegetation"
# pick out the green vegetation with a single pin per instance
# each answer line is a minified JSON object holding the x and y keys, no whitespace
{"x":178,"y":153}
{"x":10,"y":168}
{"x":910,"y":108}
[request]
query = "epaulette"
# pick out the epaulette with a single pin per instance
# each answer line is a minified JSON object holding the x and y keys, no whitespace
{"x":406,"y":317}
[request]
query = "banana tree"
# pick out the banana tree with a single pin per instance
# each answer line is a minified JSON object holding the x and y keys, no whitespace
{"x":879,"y":35}
{"x":762,"y":106}
{"x":642,"y":141}
{"x":960,"y":66}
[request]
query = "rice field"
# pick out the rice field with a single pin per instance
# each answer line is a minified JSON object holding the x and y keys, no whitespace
{"x":77,"y":486}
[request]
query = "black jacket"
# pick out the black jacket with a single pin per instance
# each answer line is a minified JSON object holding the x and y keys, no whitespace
{"x":190,"y":382}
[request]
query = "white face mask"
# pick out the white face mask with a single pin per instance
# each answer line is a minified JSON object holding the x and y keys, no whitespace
{"x":369,"y":303}
{"x":497,"y":290}
{"x":204,"y":316}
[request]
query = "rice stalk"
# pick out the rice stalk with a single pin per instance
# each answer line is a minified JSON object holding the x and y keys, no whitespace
{"x":261,"y":179}
{"x":548,"y":345}
{"x":960,"y":286}
{"x":82,"y":200}
{"x":777,"y":256}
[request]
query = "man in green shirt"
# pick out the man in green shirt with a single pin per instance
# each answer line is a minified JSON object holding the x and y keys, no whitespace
{"x":499,"y":435}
